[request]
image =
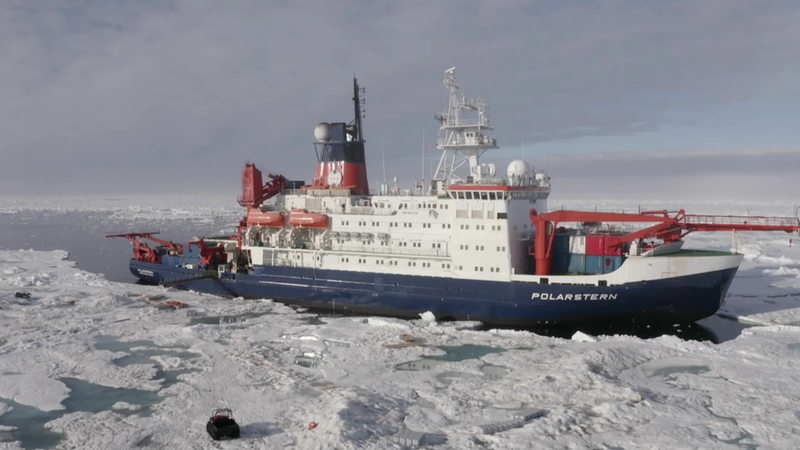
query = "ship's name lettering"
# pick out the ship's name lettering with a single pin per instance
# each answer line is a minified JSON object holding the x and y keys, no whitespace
{"x":575,"y":297}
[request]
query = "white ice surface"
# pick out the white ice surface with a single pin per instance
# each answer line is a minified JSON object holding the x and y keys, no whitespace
{"x":279,"y":369}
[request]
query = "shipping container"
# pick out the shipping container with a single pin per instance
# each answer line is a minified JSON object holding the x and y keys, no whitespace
{"x":602,"y":264}
{"x":577,"y":244}
{"x":594,"y":264}
{"x":561,"y":244}
{"x":560,"y":254}
{"x":560,"y":263}
{"x":596,"y":245}
{"x":577,"y":263}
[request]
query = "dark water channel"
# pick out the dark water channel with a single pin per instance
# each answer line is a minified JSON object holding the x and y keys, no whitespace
{"x":82,"y":234}
{"x":29,"y":422}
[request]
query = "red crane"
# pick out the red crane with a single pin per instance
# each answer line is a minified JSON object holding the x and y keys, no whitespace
{"x":667,"y":228}
{"x":142,"y":251}
{"x":254,"y":193}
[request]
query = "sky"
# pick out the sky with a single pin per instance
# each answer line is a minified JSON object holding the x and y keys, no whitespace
{"x":655,"y":98}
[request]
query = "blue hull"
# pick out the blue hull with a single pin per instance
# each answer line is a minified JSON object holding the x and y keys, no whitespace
{"x":673,"y":300}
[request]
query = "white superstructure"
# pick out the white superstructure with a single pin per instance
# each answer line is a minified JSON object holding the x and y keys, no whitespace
{"x":472,"y":224}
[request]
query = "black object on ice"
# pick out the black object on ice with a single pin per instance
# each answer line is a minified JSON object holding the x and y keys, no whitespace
{"x":22,"y":294}
{"x":221,"y":425}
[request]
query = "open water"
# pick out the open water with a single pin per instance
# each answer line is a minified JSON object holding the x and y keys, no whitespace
{"x":82,"y":234}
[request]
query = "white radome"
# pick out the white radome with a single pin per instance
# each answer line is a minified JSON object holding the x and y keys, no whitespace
{"x":322,"y":132}
{"x":517,"y":169}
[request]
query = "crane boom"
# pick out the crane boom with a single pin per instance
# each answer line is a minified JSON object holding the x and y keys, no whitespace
{"x":667,"y":228}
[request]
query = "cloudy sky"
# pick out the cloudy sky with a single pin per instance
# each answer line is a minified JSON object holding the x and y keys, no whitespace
{"x":662,"y":98}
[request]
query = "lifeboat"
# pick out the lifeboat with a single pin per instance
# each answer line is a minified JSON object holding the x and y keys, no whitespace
{"x":257,"y":217}
{"x":303,"y":218}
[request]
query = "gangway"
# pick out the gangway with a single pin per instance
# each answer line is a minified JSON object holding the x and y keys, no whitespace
{"x":703,"y":222}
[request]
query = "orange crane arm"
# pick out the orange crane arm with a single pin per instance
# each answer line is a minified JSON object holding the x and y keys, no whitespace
{"x":142,"y":251}
{"x":668,"y":229}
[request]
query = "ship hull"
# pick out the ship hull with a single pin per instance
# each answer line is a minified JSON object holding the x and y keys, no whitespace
{"x":678,"y":299}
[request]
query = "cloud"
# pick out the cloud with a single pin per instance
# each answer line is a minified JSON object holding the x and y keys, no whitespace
{"x":176,"y":96}
{"x":749,"y":173}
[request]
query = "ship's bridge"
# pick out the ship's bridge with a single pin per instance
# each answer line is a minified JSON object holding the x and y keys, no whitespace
{"x":497,"y":192}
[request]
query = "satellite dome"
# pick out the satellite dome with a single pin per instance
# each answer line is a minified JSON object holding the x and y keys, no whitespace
{"x":517,"y":169}
{"x":322,"y":132}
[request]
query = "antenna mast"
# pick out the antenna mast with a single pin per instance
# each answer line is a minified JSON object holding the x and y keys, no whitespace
{"x":359,"y":100}
{"x":463,"y":138}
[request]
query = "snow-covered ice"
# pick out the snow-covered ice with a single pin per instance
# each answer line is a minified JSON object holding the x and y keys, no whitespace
{"x":94,"y":364}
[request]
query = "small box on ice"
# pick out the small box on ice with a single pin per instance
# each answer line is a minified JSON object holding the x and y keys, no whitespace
{"x":221,"y":425}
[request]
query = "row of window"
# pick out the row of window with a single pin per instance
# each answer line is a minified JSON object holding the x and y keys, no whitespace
{"x":415,"y":244}
{"x":437,"y":245}
{"x":406,"y":205}
{"x":499,"y":248}
{"x":480,"y":195}
{"x":363,"y":223}
{"x":391,"y":262}
{"x":480,"y":227}
{"x":382,"y":262}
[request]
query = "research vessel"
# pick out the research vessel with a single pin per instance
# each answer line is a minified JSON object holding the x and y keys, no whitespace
{"x":474,"y":244}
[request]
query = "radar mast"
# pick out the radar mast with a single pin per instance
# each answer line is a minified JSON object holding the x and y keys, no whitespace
{"x":463,"y":138}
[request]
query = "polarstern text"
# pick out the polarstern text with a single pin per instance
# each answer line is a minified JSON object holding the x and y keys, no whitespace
{"x":575,"y":297}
